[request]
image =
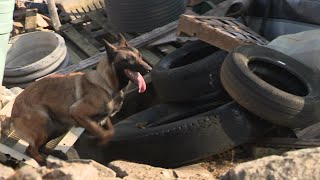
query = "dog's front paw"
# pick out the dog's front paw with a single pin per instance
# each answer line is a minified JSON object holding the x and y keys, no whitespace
{"x":103,"y":141}
{"x":107,"y":135}
{"x":41,"y":161}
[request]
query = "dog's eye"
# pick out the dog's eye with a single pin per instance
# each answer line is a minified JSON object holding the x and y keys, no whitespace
{"x":131,"y":61}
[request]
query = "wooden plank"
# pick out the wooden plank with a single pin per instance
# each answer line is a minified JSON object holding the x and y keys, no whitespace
{"x":136,"y":42}
{"x":81,"y":20}
{"x":74,"y":14}
{"x":90,"y":39}
{"x":218,"y":35}
{"x":80,"y":55}
{"x":54,"y":14}
{"x":171,"y":37}
{"x":153,"y":35}
{"x":69,"y":139}
{"x":149,"y":57}
{"x":74,"y":56}
{"x":79,"y":40}
{"x":91,"y":6}
{"x":18,"y":156}
{"x":102,"y":21}
{"x":31,"y":20}
{"x":81,"y":12}
{"x":98,"y":33}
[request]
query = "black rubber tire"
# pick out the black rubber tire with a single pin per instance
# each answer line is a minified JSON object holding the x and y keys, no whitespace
{"x":180,"y":139}
{"x":25,"y":84}
{"x":190,"y":73}
{"x":58,"y":54}
{"x":142,"y":15}
{"x":60,"y":62}
{"x":281,"y":89}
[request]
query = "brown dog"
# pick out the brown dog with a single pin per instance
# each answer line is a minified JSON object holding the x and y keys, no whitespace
{"x":49,"y":107}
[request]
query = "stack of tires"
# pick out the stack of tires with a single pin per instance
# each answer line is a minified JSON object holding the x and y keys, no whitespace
{"x":32,"y":56}
{"x":274,"y":86}
{"x":202,"y":112}
{"x":142,"y":15}
{"x":214,"y":101}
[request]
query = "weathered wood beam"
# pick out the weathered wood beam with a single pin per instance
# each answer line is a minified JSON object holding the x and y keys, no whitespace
{"x":31,"y":20}
{"x":54,"y":15}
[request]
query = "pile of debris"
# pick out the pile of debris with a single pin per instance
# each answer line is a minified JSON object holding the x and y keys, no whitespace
{"x":221,"y":80}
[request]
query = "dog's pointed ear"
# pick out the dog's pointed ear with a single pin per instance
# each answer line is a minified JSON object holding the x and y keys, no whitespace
{"x":110,"y":49}
{"x":122,"y":41}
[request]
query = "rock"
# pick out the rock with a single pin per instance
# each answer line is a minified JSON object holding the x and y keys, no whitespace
{"x":16,"y":90}
{"x":129,"y":170}
{"x":6,"y":92}
{"x":301,"y":164}
{"x":103,"y":170}
{"x":26,"y":173}
{"x":72,"y":153}
{"x":259,"y":152}
{"x":195,"y":172}
{"x":76,"y":169}
{"x":5,"y":172}
{"x":6,"y":110}
{"x":7,"y":97}
{"x":41,"y":22}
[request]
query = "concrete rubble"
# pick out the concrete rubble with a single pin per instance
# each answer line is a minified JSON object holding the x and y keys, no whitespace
{"x":89,"y":169}
{"x":300,"y":164}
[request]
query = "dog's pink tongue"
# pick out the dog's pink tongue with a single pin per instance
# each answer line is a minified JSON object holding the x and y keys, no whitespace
{"x":141,"y":83}
{"x":136,"y":78}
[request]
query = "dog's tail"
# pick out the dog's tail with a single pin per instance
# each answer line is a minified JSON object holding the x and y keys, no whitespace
{"x":5,"y":124}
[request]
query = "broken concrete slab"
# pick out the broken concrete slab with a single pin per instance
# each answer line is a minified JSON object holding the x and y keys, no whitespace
{"x":27,"y":173}
{"x":195,"y":172}
{"x":89,"y":169}
{"x":76,"y":169}
{"x":103,"y":170}
{"x":301,"y":164}
{"x":130,"y":170}
{"x":5,"y":172}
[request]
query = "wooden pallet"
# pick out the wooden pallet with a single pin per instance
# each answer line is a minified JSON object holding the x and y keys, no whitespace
{"x":75,"y":9}
{"x":223,"y":32}
{"x":88,"y":24}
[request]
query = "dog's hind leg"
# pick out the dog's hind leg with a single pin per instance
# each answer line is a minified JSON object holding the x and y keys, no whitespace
{"x":33,"y":128}
{"x":81,"y":112}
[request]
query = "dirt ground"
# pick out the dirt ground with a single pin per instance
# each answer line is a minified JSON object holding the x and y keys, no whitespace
{"x":218,"y":165}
